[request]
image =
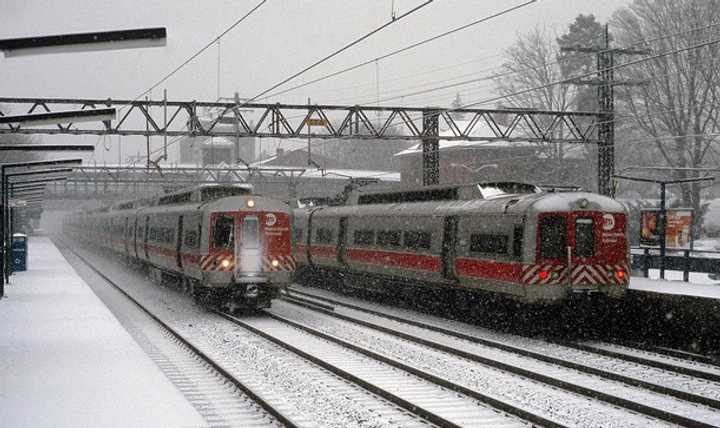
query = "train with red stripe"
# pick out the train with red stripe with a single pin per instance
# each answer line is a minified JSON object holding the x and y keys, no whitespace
{"x":229,"y":248}
{"x":508,"y":239}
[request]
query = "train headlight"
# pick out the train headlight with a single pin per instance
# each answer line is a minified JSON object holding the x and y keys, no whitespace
{"x":620,"y":275}
{"x":583,"y":203}
{"x":275,"y":263}
{"x":225,"y":263}
{"x":250,"y":203}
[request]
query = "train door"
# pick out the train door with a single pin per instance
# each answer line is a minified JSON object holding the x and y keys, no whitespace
{"x":145,"y":237}
{"x":342,"y":239}
{"x":248,"y":248}
{"x":126,"y":235}
{"x":449,"y":246}
{"x":135,"y":237}
{"x":178,"y":246}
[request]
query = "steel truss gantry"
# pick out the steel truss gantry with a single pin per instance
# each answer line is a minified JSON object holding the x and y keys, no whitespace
{"x":184,"y":118}
{"x":128,"y":182}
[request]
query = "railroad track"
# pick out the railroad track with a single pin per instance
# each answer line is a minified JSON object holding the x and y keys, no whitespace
{"x":218,"y":396}
{"x":378,"y":406}
{"x":689,"y":401}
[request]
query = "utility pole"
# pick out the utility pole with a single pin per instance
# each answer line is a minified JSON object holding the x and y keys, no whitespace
{"x":605,"y":82}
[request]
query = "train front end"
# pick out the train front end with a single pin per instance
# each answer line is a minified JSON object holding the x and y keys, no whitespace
{"x":249,"y":256}
{"x":581,"y":248}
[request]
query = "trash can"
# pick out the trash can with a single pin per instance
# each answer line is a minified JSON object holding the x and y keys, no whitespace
{"x":19,"y":252}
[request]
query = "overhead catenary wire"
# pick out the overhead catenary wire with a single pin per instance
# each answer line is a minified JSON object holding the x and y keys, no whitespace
{"x":203,"y":49}
{"x":557,"y":61}
{"x":641,"y":42}
{"x":406,"y":48}
{"x":342,"y":49}
{"x":333,"y":54}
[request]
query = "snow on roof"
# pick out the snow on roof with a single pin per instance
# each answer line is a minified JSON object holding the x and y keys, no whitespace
{"x":481,"y":129}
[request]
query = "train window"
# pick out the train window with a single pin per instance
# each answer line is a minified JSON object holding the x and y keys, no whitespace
{"x":584,"y":237}
{"x":487,"y":243}
{"x":388,"y":238}
{"x":250,"y":233}
{"x":324,"y":236}
{"x":416,"y":239}
{"x":224,"y":233}
{"x":517,"y":240}
{"x":553,"y":237}
{"x":191,"y":240}
{"x":364,"y":237}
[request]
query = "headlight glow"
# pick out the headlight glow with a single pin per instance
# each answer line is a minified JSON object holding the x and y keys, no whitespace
{"x":250,"y":203}
{"x":225,"y":263}
{"x":275,"y":263}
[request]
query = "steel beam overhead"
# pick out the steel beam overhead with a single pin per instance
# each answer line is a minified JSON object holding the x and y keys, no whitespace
{"x":237,"y":120}
{"x":77,"y":42}
{"x":47,"y":148}
{"x":64,"y":116}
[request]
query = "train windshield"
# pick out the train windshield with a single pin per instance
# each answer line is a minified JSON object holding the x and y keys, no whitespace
{"x":584,"y":237}
{"x":553,"y":237}
{"x":224,"y":233}
{"x":250,"y":235}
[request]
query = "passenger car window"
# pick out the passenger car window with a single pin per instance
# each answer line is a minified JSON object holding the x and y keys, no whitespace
{"x":224,"y":233}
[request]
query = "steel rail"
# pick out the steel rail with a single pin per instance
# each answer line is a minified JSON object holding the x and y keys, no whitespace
{"x":285,"y":420}
{"x":493,"y":402}
{"x":413,"y":408}
{"x":618,"y":401}
{"x":657,"y":364}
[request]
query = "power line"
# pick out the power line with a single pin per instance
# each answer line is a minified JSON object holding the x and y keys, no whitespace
{"x":203,"y":49}
{"x":344,"y":48}
{"x":557,"y":61}
{"x":406,"y":48}
{"x":353,"y":43}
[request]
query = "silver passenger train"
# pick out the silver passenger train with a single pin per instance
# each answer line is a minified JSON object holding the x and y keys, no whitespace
{"x":229,"y":247}
{"x":512,"y":239}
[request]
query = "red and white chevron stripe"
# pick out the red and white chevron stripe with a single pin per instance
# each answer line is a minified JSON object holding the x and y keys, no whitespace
{"x":286,"y":263}
{"x":213,"y":263}
{"x":581,"y":274}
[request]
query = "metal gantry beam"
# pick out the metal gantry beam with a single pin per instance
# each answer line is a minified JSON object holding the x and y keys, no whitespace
{"x":181,"y":118}
{"x":237,"y":120}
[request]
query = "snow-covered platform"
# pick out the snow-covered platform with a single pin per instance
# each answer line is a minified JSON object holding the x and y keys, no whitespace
{"x":675,"y":288}
{"x":66,"y":361}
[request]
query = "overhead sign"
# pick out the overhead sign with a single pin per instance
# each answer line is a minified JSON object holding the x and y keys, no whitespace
{"x":678,"y":228}
{"x":315,"y":122}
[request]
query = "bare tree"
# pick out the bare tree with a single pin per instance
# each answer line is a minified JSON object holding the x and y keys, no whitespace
{"x":677,"y":110}
{"x":533,"y":62}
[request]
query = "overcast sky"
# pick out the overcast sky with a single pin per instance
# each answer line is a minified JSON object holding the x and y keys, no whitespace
{"x":281,"y":38}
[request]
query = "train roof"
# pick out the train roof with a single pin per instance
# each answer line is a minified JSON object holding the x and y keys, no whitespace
{"x":205,"y":193}
{"x":512,"y":204}
{"x":462,"y":192}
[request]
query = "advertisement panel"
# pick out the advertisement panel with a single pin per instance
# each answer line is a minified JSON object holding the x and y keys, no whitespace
{"x":678,"y":228}
{"x":678,"y":231}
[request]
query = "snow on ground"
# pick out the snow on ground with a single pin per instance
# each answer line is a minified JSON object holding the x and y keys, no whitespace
{"x":699,"y":286}
{"x":65,"y":360}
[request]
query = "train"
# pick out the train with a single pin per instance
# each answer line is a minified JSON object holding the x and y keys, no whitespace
{"x":228,"y":247}
{"x":510,"y":240}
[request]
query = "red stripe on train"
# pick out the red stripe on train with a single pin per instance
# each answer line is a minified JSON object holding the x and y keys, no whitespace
{"x":395,"y":260}
{"x":487,"y":269}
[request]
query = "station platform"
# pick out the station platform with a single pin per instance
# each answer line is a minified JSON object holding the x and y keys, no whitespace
{"x":66,"y":361}
{"x":701,"y":290}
